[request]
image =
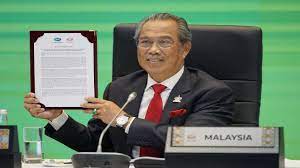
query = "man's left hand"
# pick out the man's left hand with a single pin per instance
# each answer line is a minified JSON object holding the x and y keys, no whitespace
{"x":105,"y":110}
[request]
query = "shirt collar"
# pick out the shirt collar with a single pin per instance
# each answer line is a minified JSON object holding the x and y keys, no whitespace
{"x":169,"y":83}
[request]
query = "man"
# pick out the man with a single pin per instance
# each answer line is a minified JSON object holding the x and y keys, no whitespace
{"x":169,"y":94}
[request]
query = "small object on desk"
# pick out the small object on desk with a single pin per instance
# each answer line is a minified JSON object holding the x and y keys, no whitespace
{"x":3,"y":117}
{"x":57,"y":163}
{"x":100,"y":159}
{"x":153,"y":162}
{"x":32,"y":138}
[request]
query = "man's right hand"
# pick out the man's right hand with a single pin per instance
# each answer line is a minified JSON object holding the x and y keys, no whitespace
{"x":31,"y":104}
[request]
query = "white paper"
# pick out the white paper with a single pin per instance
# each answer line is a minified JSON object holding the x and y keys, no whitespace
{"x":63,"y":69}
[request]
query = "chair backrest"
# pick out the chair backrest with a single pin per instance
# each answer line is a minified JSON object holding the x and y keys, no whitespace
{"x":229,"y":53}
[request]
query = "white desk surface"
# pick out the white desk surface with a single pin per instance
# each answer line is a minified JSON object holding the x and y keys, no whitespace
{"x":288,"y":164}
{"x":292,"y":163}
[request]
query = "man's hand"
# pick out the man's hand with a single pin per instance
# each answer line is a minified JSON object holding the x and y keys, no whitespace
{"x":105,"y":110}
{"x":31,"y":104}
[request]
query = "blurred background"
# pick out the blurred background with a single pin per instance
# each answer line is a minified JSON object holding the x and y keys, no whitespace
{"x":279,"y":20}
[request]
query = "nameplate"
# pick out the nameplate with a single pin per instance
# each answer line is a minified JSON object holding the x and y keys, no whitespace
{"x":223,"y":136}
{"x":4,"y":138}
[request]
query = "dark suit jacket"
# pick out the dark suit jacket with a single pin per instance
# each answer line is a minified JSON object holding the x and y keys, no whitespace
{"x":209,"y":102}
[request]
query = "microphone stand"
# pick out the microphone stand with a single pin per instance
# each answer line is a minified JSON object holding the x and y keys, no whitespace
{"x":130,"y":98}
{"x":103,"y":159}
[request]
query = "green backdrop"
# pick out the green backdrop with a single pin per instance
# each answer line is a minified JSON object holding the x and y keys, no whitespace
{"x":279,"y":19}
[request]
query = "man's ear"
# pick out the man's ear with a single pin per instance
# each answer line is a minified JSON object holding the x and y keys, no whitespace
{"x":186,"y":48}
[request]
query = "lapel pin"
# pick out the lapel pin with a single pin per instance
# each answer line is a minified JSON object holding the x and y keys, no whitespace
{"x":177,"y":99}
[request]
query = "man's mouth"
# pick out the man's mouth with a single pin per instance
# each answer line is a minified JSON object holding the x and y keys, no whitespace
{"x":154,"y":60}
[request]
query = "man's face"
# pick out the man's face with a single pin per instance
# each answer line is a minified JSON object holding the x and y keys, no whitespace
{"x":159,"y":50}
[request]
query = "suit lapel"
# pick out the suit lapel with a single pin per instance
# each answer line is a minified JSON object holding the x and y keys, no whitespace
{"x":138,"y":86}
{"x":180,"y":89}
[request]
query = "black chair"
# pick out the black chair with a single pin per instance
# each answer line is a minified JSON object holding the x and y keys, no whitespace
{"x":229,"y":53}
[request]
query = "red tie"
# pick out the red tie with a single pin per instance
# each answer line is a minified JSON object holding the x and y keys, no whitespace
{"x":153,"y":114}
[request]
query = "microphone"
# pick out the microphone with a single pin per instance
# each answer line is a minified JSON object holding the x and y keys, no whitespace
{"x":131,"y":97}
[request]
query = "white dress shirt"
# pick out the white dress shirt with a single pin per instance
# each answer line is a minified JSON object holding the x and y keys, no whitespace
{"x":147,"y":97}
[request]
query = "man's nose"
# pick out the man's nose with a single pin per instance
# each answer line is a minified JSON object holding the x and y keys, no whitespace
{"x":154,"y":48}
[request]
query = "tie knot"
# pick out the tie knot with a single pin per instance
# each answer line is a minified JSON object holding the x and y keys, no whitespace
{"x":158,"y":88}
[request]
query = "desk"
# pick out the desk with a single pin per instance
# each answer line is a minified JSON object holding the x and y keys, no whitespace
{"x":60,"y":163}
{"x":40,"y":165}
{"x":288,"y":164}
{"x":292,"y":163}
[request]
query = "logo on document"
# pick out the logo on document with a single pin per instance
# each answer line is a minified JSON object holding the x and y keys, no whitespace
{"x":57,"y":40}
{"x":69,"y":39}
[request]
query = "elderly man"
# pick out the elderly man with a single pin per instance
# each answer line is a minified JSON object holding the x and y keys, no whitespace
{"x":169,"y":94}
